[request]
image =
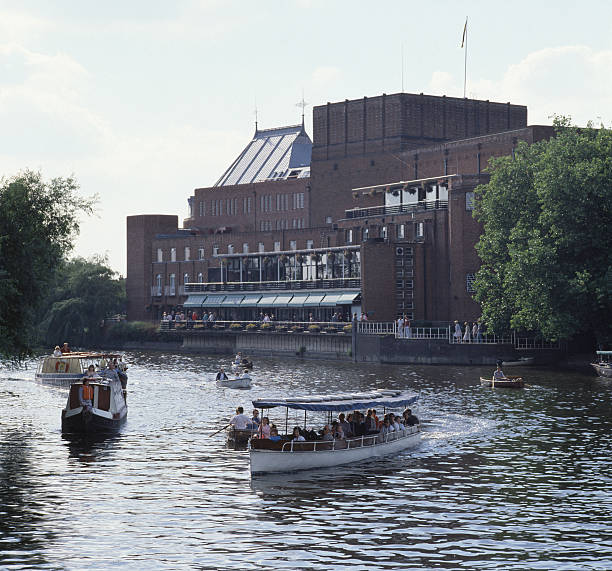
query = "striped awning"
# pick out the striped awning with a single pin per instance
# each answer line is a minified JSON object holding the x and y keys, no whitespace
{"x":331,"y":300}
{"x":195,"y":301}
{"x":348,"y":297}
{"x":250,"y":300}
{"x":283,"y":300}
{"x":267,"y":300}
{"x":298,"y":300}
{"x":233,"y":300}
{"x":314,"y":300}
{"x":214,"y":300}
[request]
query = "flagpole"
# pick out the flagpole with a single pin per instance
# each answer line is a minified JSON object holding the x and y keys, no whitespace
{"x":465,"y":59}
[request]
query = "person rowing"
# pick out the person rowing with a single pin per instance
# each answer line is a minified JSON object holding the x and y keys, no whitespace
{"x":498,"y":374}
{"x":221,"y":376}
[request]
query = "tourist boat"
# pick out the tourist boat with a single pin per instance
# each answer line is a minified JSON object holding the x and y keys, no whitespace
{"x":72,"y":366}
{"x":522,"y":362}
{"x":241,"y":382}
{"x":603,"y":367}
{"x":108,"y":412}
{"x":510,"y":382}
{"x":288,"y":456}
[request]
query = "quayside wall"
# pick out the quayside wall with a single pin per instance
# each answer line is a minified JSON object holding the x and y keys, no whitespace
{"x":310,"y":345}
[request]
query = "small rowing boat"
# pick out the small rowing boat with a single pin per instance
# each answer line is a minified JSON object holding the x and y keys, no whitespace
{"x":603,"y":367}
{"x":505,"y":383}
{"x":241,"y":382}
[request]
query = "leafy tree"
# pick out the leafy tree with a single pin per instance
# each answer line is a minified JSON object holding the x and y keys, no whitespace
{"x":84,"y":293}
{"x":38,"y":222}
{"x":546,"y":247}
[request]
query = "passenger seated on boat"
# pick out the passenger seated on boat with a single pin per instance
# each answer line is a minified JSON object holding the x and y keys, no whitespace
{"x":393,"y":422}
{"x":240,"y":420}
{"x":255,"y":420}
{"x":358,"y":427}
{"x":378,"y":423}
{"x":346,"y":427}
{"x":498,"y":374}
{"x":274,"y":437}
{"x":336,"y":430}
{"x":221,"y":376}
{"x":65,"y":348}
{"x":327,"y":434}
{"x":386,"y":426}
{"x":91,"y":373}
{"x":245,"y":374}
{"x":86,"y":394}
{"x":409,"y":418}
{"x":296,"y":436}
{"x":111,"y":372}
{"x":370,"y":423}
{"x":264,"y":428}
{"x":57,"y":352}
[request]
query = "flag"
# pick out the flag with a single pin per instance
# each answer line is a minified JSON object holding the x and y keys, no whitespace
{"x":464,"y":33}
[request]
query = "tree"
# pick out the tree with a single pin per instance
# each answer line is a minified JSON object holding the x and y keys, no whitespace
{"x":546,"y":247}
{"x":38,"y":223}
{"x":84,"y":293}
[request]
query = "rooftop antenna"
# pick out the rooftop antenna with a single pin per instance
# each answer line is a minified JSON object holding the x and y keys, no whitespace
{"x":464,"y":43}
{"x":255,"y":114}
{"x":303,"y":105}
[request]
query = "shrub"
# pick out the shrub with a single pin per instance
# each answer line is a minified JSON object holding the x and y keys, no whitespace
{"x":132,"y":331}
{"x":314,"y":328}
{"x":251,"y":327}
{"x":296,"y":328}
{"x":235,"y":326}
{"x":348,"y":328}
{"x":266,"y":326}
{"x":280,"y":328}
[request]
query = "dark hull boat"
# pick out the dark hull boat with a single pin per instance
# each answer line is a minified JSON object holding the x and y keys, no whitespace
{"x":107,"y":414}
{"x":507,"y":383}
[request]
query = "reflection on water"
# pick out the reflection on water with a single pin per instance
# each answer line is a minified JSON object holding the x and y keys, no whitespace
{"x":501,"y":479}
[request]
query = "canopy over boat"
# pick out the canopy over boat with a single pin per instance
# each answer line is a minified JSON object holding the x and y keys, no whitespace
{"x":609,"y":353}
{"x":341,"y":402}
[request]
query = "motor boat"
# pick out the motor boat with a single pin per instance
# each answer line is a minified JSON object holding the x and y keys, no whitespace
{"x":70,"y":367}
{"x":268,"y":456}
{"x":510,"y":382}
{"x":603,"y":367}
{"x":108,"y":411}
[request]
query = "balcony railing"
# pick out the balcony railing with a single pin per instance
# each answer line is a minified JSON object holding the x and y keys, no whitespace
{"x":396,"y":209}
{"x":336,"y":283}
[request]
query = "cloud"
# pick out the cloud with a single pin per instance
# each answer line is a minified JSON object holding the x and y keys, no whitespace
{"x":323,"y":76}
{"x":565,"y":80}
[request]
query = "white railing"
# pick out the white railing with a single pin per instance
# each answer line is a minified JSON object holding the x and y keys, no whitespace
{"x":345,"y":444}
{"x":376,"y":327}
{"x":422,"y":333}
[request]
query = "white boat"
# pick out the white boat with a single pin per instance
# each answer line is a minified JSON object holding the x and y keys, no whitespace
{"x":288,"y":456}
{"x":521,"y":362}
{"x":108,"y":413}
{"x":603,"y":367}
{"x":241,"y":382}
{"x":72,"y":366}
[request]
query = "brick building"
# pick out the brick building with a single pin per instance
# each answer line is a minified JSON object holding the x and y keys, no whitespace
{"x":373,"y":216}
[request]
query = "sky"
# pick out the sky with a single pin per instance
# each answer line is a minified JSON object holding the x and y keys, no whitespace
{"x":143,"y":101}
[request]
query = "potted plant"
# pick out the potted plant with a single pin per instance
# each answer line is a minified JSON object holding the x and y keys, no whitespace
{"x":314,"y":328}
{"x":236,"y":326}
{"x":251,"y":327}
{"x":348,"y":328}
{"x":266,"y":327}
{"x":296,"y":329}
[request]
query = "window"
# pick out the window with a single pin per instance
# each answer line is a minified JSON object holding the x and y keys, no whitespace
{"x":401,"y":231}
{"x":277,"y":246}
{"x":469,"y":201}
{"x":245,"y":248}
{"x":160,"y":255}
{"x":230,"y":248}
{"x":215,"y":250}
{"x":187,"y":253}
{"x":349,"y":236}
{"x":200,"y":253}
{"x":200,"y":278}
{"x":172,"y":284}
{"x":309,"y":244}
{"x":292,"y":244}
{"x":202,"y":211}
{"x":419,"y":230}
{"x":469,"y":283}
{"x":185,"y":278}
{"x":383,"y":232}
{"x":365,"y":234}
{"x":261,"y":247}
{"x":158,"y":281}
{"x":328,"y":219}
{"x":301,"y":200}
{"x":173,"y":254}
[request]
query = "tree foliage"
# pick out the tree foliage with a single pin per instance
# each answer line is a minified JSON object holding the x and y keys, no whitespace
{"x":38,"y":222}
{"x":84,"y":292}
{"x":546,"y":247}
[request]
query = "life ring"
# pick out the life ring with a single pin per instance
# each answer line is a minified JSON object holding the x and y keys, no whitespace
{"x":61,"y":366}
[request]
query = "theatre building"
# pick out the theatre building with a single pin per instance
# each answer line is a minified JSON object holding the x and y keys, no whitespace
{"x":374,"y":216}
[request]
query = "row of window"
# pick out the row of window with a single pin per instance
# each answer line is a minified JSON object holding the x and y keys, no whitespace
{"x":419,"y":232}
{"x":229,"y":206}
{"x":282,"y":202}
{"x":283,"y":224}
{"x":231,"y":249}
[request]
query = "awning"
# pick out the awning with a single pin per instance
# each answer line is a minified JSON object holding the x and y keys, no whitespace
{"x":267,"y":300}
{"x":298,"y":300}
{"x":314,"y":300}
{"x":250,"y":300}
{"x":213,"y":300}
{"x":340,"y":402}
{"x":283,"y":300}
{"x":194,"y":301}
{"x":346,"y":298}
{"x":331,"y":300}
{"x":232,"y":300}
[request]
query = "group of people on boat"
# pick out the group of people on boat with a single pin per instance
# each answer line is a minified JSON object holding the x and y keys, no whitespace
{"x":353,"y":425}
{"x":59,"y":351}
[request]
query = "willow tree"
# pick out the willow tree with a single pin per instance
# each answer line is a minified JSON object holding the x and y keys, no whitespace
{"x":38,"y":223}
{"x":546,"y":249}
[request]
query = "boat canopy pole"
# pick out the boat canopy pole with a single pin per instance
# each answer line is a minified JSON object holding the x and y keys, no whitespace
{"x":286,"y":420}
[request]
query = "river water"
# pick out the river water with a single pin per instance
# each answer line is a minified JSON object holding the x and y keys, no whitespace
{"x":503,"y":479}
